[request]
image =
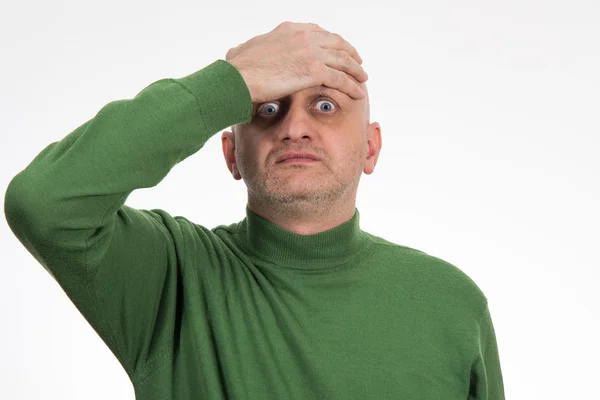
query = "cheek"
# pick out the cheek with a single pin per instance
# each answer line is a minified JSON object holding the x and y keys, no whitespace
{"x":350,"y":156}
{"x":349,"y":149}
{"x":250,"y":154}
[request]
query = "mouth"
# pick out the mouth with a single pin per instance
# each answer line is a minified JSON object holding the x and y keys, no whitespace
{"x":297,"y":156}
{"x":298,"y":160}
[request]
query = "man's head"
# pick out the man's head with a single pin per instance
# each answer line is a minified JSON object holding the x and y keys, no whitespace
{"x":319,"y":120}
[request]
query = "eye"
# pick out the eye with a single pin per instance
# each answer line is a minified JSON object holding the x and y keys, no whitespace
{"x":271,"y":108}
{"x":327,"y":101}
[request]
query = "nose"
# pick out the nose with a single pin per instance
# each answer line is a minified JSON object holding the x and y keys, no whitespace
{"x":295,"y":125}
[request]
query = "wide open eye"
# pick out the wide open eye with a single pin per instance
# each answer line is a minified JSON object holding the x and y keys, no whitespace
{"x":327,"y":101}
{"x":271,"y":108}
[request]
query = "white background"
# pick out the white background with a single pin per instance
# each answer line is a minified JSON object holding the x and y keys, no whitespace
{"x":489,"y":114}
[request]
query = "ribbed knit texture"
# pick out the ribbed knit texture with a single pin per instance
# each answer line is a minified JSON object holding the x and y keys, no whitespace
{"x":246,"y":310}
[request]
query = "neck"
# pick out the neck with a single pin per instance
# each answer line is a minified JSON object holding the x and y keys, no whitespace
{"x":304,"y":218}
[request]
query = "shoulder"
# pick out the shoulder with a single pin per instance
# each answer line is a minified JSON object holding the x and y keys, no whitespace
{"x":427,"y":272}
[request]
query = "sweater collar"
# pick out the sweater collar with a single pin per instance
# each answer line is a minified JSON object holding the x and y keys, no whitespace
{"x":282,"y":248}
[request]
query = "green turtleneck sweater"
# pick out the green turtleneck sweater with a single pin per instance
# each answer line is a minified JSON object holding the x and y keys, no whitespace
{"x":247,"y":310}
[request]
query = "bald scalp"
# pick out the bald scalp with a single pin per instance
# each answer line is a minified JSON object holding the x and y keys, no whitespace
{"x":366,"y":105}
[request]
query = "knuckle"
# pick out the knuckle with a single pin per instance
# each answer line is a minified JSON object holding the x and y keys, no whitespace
{"x":350,"y":61}
{"x":337,"y":77}
{"x":338,"y":37}
{"x":344,"y":57}
{"x":301,"y":35}
{"x":231,"y":53}
{"x":285,"y":25}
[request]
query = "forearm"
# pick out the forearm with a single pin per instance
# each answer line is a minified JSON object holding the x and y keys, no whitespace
{"x":76,"y":184}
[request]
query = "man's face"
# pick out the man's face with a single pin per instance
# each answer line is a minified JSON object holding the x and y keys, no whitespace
{"x":319,"y":120}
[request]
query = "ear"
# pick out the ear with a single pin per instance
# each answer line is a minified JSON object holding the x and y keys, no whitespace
{"x":228,"y":145}
{"x":374,"y":143}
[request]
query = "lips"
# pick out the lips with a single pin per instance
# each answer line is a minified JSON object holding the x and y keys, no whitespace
{"x":296,"y":154}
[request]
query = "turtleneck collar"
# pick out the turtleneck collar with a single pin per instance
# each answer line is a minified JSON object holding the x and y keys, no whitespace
{"x":282,"y":248}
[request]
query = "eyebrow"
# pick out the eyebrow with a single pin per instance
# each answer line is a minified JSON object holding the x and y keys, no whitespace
{"x":329,"y":91}
{"x":321,"y":89}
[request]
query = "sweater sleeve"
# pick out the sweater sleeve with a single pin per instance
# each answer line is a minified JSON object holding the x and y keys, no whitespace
{"x":119,"y":265}
{"x":486,"y":373}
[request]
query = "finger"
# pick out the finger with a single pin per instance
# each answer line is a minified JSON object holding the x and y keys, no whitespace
{"x":339,"y":80}
{"x":342,"y":44}
{"x":342,"y":61}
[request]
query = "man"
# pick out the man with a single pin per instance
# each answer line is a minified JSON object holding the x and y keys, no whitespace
{"x":293,"y":302}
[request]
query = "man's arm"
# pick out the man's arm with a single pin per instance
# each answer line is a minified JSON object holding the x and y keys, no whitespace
{"x":119,"y":265}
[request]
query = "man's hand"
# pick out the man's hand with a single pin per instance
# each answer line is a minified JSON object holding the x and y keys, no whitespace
{"x":297,"y":56}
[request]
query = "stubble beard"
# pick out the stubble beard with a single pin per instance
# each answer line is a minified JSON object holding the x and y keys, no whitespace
{"x":317,"y":192}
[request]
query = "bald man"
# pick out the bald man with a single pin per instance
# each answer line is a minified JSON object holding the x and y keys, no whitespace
{"x":295,"y":301}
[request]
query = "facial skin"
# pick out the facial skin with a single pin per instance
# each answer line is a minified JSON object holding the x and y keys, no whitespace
{"x":305,"y":198}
